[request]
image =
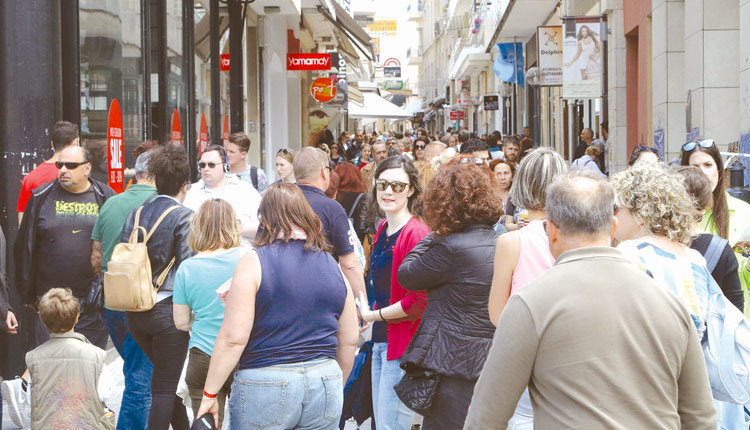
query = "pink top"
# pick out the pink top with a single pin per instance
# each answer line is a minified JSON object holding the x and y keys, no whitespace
{"x":534,"y":258}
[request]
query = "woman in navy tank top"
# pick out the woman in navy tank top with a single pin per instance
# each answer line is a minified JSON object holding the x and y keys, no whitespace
{"x":290,"y":322}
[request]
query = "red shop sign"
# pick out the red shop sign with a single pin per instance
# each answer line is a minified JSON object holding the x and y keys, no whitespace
{"x":115,"y":148}
{"x":308,"y":61}
{"x":225,"y":132}
{"x":203,"y":134}
{"x":176,"y":133}
{"x":323,"y":90}
{"x":224,"y":62}
{"x":457,"y":115}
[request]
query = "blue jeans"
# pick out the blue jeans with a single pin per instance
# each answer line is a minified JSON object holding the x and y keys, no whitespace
{"x":390,"y":412}
{"x":137,"y":368}
{"x":306,"y":395}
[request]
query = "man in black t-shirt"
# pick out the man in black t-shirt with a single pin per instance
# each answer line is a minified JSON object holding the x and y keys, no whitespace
{"x":53,"y":247}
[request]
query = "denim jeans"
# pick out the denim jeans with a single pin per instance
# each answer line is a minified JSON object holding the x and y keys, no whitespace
{"x":306,"y":395}
{"x":166,"y":346}
{"x":137,"y":368}
{"x":390,"y":412}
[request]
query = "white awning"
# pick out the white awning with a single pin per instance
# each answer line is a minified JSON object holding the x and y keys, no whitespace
{"x":377,"y":107}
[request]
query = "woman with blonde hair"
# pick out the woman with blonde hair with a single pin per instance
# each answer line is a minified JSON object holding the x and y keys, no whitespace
{"x":290,"y":322}
{"x":521,"y":256}
{"x":215,"y":237}
{"x":285,"y":165}
{"x":589,"y":160}
{"x":655,"y":215}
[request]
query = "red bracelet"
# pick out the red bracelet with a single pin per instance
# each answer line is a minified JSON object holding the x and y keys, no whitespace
{"x":208,"y":396}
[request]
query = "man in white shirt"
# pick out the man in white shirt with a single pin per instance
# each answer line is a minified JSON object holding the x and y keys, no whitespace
{"x":216,"y":183}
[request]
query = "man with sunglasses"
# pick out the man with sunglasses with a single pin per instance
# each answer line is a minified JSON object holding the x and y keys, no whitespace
{"x":215,"y":183}
{"x":53,"y":246}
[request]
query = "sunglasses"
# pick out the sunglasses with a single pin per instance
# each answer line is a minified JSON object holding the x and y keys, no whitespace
{"x":283,"y":151}
{"x":396,"y":186}
{"x":706,"y":143}
{"x":210,"y":165}
{"x":473,"y":161}
{"x":647,"y":148}
{"x":70,"y":165}
{"x":419,"y":146}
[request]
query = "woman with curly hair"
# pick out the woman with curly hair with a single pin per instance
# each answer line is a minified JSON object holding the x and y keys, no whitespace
{"x":452,"y":264}
{"x":523,"y":255}
{"x":396,"y":318}
{"x":655,"y":214}
{"x":504,"y":171}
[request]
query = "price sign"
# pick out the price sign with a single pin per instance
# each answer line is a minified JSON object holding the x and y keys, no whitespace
{"x":176,"y":133}
{"x":203,"y":135}
{"x":115,"y":148}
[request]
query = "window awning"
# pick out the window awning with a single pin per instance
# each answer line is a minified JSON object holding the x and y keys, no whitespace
{"x":351,"y":29}
{"x":203,"y":34}
{"x":375,"y":106}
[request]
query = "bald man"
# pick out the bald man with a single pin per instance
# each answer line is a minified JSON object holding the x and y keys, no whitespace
{"x":53,"y":246}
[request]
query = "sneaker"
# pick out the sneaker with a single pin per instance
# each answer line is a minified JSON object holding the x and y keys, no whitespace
{"x":18,"y":400}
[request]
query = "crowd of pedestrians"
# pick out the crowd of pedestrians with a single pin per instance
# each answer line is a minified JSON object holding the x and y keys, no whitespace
{"x":447,"y":282}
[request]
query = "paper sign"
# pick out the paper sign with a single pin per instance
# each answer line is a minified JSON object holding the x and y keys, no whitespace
{"x":115,"y":148}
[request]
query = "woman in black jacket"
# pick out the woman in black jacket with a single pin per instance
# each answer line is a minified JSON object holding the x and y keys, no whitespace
{"x":454,"y":265}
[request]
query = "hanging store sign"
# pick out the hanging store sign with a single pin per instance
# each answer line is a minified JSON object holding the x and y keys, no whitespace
{"x":464,"y":100}
{"x":550,"y":54}
{"x":491,"y":102}
{"x":176,"y":133}
{"x":308,"y":61}
{"x":115,"y":148}
{"x":393,"y":85}
{"x":384,"y":27}
{"x":582,"y":58}
{"x":392,"y":68}
{"x":224,"y":62}
{"x":203,"y":134}
{"x":225,"y":132}
{"x":323,"y":90}
{"x":456,"y":115}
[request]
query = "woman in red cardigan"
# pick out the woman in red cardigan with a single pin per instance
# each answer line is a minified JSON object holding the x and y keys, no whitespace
{"x":398,"y":311}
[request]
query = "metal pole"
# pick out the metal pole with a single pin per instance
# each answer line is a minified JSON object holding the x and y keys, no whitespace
{"x":146,"y":68}
{"x":236,"y":85}
{"x":71,"y":64}
{"x":215,"y":85}
{"x":188,"y":60}
{"x":163,"y":67}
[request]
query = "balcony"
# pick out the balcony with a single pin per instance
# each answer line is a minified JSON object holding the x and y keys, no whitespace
{"x":415,"y":56}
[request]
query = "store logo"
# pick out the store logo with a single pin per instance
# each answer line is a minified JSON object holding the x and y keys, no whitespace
{"x":308,"y":61}
{"x":323,"y":90}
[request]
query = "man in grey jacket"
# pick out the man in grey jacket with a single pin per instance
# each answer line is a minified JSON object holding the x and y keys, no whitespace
{"x":598,"y":342}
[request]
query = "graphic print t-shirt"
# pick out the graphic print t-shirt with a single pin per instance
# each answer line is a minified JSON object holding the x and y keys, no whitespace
{"x":63,"y":242}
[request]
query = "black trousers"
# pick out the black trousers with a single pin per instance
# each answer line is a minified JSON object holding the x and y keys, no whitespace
{"x":450,"y":404}
{"x":166,"y":346}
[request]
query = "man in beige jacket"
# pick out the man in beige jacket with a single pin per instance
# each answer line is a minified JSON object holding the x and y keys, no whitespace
{"x":598,"y":342}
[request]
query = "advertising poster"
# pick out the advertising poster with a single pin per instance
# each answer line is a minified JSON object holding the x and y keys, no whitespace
{"x":176,"y":132}
{"x":225,"y":132}
{"x":115,"y":148}
{"x":203,"y":134}
{"x":582,"y":59}
{"x":550,"y":43}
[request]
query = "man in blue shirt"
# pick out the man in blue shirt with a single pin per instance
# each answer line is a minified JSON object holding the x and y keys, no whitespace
{"x":313,"y":175}
{"x":136,"y":399}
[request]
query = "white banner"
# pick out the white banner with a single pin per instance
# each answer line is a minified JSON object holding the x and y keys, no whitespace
{"x":549,"y":41}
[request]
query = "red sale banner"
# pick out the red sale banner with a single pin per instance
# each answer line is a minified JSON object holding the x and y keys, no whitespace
{"x":176,"y":128}
{"x":115,"y":148}
{"x":225,"y":133}
{"x":203,"y":134}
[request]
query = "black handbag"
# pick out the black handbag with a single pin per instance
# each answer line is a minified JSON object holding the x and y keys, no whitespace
{"x":417,"y":388}
{"x":94,"y":300}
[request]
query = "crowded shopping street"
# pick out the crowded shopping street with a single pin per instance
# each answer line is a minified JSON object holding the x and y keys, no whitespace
{"x":374,"y":214}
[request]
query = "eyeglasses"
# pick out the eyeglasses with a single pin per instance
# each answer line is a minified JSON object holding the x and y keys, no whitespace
{"x":419,"y":146}
{"x":706,"y":143}
{"x":648,"y":148}
{"x":70,"y":165}
{"x":210,"y":165}
{"x":396,"y":186}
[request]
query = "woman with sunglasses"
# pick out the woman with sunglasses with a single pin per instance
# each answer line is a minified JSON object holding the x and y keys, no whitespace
{"x":728,"y":217}
{"x":420,"y":159}
{"x":460,"y":206}
{"x":285,"y":165}
{"x":643,"y":154}
{"x":396,"y":191}
{"x":654,"y":213}
{"x":522,"y":256}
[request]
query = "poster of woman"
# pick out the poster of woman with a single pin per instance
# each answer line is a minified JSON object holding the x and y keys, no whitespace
{"x":582,"y":59}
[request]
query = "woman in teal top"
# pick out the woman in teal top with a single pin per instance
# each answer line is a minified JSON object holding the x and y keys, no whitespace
{"x":728,"y":217}
{"x":215,"y":238}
